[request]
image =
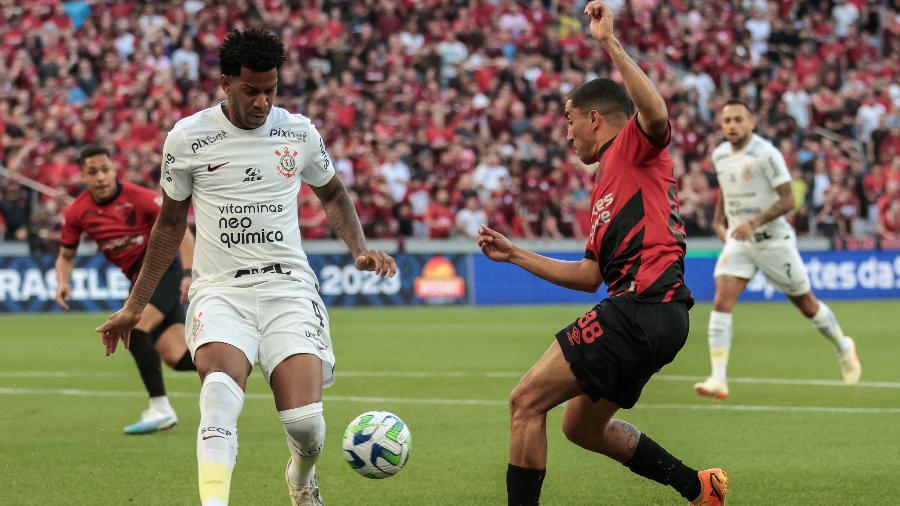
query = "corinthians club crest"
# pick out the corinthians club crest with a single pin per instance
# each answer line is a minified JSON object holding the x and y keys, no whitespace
{"x":287,"y":163}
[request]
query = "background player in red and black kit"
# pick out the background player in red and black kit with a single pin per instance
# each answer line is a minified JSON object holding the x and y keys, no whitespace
{"x":118,"y":217}
{"x":601,"y":362}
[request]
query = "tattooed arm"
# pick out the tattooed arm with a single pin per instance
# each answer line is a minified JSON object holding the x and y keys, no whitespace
{"x":344,"y":221}
{"x":165,"y":240}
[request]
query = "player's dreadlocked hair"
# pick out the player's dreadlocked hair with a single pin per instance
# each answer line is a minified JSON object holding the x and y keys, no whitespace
{"x":602,"y":95}
{"x":254,"y":48}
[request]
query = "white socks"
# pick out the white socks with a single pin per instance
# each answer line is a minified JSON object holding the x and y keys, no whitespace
{"x":719,"y":343}
{"x":221,"y":400}
{"x":305,"y":428}
{"x":828,"y":326}
{"x":161,"y":404}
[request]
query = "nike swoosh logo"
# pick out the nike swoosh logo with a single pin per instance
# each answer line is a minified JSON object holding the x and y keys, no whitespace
{"x":209,"y":437}
{"x":211,"y":167}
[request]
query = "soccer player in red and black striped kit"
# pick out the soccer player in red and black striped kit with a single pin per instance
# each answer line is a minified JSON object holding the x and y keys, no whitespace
{"x":118,"y":217}
{"x":601,"y":362}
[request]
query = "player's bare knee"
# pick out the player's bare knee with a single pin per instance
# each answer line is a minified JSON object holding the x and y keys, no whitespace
{"x":221,"y":357}
{"x":523,"y":403}
{"x":169,"y":354}
{"x":169,"y":357}
{"x":723,"y":303}
{"x":210,"y":366}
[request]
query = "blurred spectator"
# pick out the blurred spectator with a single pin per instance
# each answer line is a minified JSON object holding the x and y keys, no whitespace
{"x":421,"y":100}
{"x":439,"y":217}
{"x":470,"y":217}
{"x":15,"y":207}
{"x":313,"y":221}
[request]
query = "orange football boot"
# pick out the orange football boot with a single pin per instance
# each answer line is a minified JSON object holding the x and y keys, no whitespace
{"x":713,"y":487}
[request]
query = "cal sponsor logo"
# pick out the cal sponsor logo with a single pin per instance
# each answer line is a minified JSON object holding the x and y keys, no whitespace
{"x":289,"y":134}
{"x":119,"y":243}
{"x":316,"y":337}
{"x":439,"y":281}
{"x":237,"y":231}
{"x":273,"y":269}
{"x":252,"y":174}
{"x":600,"y":213}
{"x":209,"y":140}
{"x":167,"y":167}
{"x":326,"y":160}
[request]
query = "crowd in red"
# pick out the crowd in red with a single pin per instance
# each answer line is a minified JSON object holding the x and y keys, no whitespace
{"x":444,"y":114}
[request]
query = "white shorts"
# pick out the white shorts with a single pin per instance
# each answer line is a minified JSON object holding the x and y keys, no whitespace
{"x":269,"y":322}
{"x":778,"y":259}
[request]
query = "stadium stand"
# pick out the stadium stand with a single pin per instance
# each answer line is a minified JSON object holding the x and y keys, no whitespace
{"x":424,"y":104}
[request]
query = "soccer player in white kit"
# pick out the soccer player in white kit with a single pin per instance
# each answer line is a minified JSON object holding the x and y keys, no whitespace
{"x":254,"y":298}
{"x":755,"y":195}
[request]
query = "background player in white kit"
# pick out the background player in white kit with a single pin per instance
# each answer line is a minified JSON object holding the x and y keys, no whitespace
{"x":254,"y":297}
{"x":755,"y":195}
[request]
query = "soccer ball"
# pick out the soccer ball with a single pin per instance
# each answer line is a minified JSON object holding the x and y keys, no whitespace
{"x":377,"y":444}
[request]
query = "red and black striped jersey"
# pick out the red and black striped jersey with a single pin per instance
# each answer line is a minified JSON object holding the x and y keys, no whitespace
{"x":120,"y":226}
{"x":637,"y":235}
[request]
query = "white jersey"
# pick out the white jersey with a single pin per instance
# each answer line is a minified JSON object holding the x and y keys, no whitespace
{"x":244,"y":185}
{"x":748,"y":178}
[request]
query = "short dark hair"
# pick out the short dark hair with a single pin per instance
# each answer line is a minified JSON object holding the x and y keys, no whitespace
{"x":254,"y":48}
{"x":603,"y":95}
{"x":737,"y":101}
{"x":89,"y":151}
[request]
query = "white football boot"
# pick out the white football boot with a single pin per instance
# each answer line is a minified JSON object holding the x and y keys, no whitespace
{"x":712,"y":387}
{"x":307,"y":495}
{"x":152,"y":421}
{"x":851,"y":369}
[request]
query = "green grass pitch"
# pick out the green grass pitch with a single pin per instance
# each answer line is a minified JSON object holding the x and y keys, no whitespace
{"x":789,"y":434}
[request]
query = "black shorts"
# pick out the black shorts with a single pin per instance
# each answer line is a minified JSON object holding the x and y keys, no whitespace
{"x":167,"y":298}
{"x":616,"y":347}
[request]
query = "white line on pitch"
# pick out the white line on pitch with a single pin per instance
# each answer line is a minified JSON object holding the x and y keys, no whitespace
{"x":469,"y":374}
{"x":462,"y":402}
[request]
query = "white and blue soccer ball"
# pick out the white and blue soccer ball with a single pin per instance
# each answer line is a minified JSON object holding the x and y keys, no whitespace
{"x":377,"y":444}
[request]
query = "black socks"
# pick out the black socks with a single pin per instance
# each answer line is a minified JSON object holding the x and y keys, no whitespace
{"x":652,"y":461}
{"x":185,"y":363}
{"x":148,"y":362}
{"x":523,"y":485}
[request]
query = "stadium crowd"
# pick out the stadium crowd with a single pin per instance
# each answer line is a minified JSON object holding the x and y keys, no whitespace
{"x":444,"y":114}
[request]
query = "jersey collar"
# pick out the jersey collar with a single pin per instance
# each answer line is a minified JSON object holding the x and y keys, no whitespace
{"x":605,"y":147}
{"x":230,"y":127}
{"x":109,"y":200}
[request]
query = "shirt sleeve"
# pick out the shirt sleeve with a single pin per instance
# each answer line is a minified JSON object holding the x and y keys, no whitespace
{"x":317,"y":169}
{"x":775,"y":168}
{"x":640,"y":147}
{"x":70,"y":233}
{"x":177,"y":179}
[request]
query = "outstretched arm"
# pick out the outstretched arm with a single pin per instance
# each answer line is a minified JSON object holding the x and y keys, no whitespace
{"x":165,"y":239}
{"x":583,"y":275}
{"x":653,"y":116}
{"x":344,"y":221}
